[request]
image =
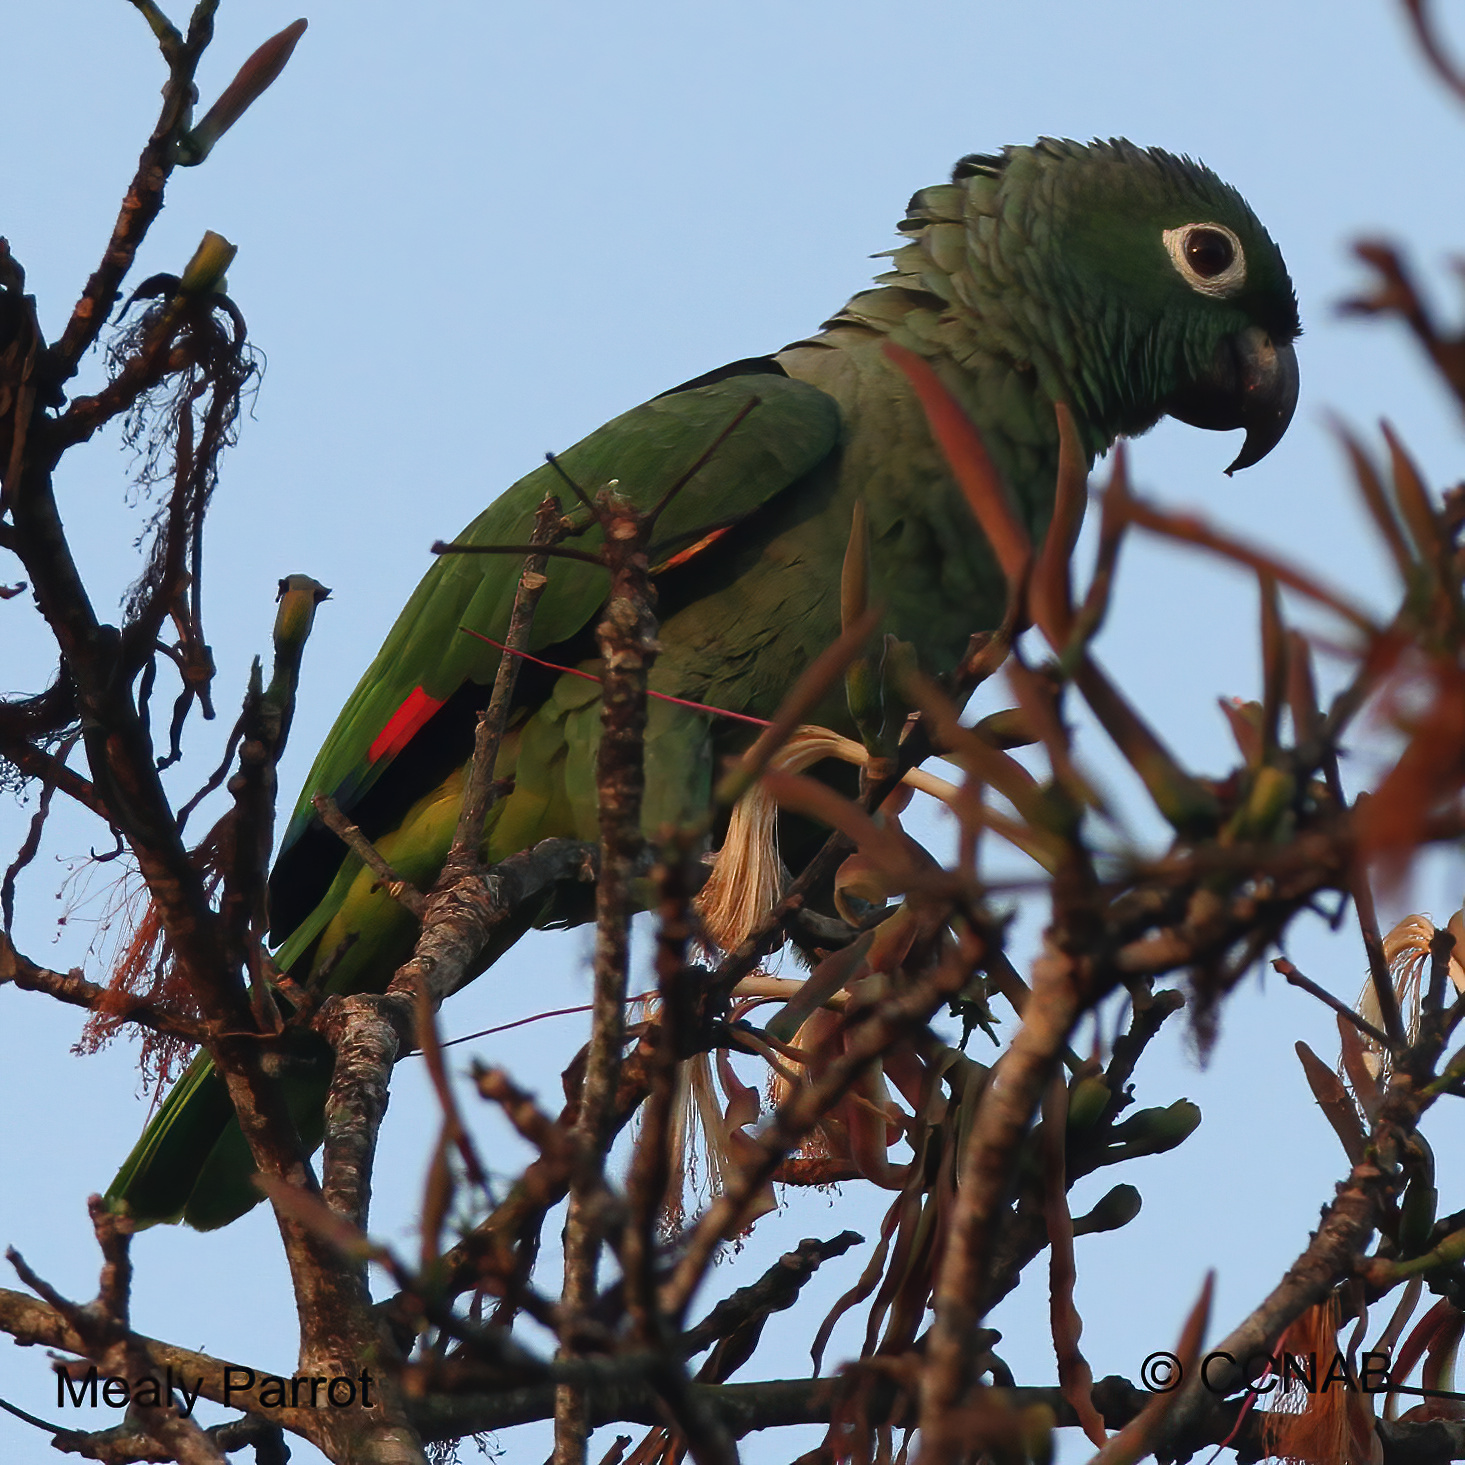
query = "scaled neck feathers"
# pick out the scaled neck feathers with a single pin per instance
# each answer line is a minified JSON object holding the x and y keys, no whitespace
{"x":982,"y":288}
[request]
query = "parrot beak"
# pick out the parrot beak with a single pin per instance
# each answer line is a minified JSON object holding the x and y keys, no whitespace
{"x":1251,"y":383}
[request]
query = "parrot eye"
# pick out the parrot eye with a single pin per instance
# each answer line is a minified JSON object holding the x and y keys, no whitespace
{"x":1208,"y":257}
{"x":1208,"y":252}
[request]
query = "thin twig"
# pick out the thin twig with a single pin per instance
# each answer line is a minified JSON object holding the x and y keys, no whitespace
{"x":407,"y":895}
{"x":556,"y":551}
{"x":651,"y":1168}
{"x":479,"y":791}
{"x":1428,"y":37}
{"x":453,"y":1134}
{"x":141,"y":203}
{"x":588,"y":676}
{"x":32,"y":842}
{"x":1373,"y":945}
{"x":1296,"y":979}
{"x":701,"y":462}
{"x":553,"y":460}
{"x":627,"y":641}
{"x":1059,"y":995}
{"x":74,"y":989}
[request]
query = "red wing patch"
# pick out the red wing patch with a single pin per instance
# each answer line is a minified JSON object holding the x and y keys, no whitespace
{"x":403,"y":725}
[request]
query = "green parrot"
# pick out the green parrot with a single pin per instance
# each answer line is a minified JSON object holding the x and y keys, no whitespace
{"x":1125,"y":282}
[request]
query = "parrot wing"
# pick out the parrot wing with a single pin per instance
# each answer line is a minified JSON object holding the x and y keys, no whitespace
{"x":431,"y":654}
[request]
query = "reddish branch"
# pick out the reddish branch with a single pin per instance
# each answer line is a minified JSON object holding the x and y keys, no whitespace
{"x":671,"y":1038}
{"x":480,"y":790}
{"x":74,"y":989}
{"x":627,"y":645}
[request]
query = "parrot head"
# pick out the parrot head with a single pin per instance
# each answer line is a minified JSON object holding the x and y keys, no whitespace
{"x":1135,"y":282}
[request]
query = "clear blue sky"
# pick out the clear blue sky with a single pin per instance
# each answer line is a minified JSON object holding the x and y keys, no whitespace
{"x":469,"y":232}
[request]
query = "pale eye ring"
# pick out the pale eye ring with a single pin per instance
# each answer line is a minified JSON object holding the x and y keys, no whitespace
{"x":1208,"y":257}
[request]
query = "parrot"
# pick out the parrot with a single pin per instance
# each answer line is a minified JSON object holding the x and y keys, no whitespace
{"x":1128,"y":283}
